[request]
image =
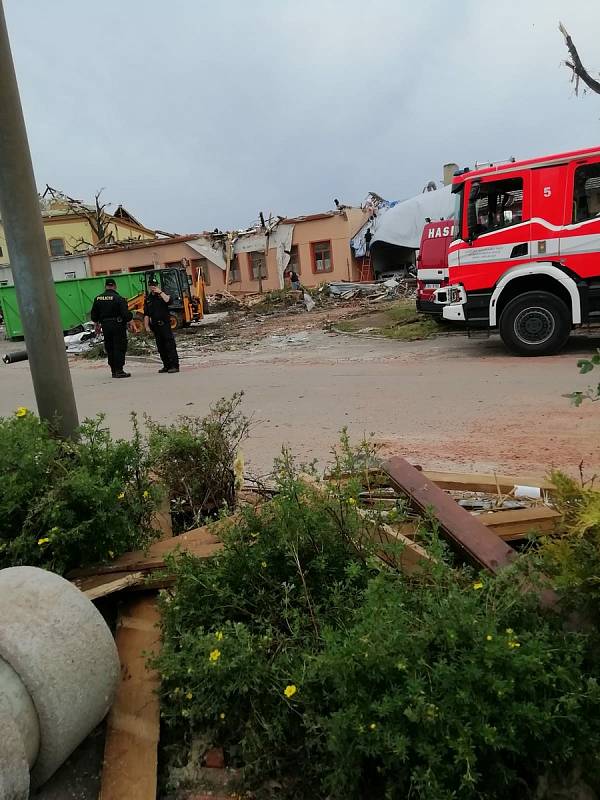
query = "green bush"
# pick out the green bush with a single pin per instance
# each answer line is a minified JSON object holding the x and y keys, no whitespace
{"x":572,"y":559}
{"x":326,"y":674}
{"x":195,"y":458}
{"x":71,"y":504}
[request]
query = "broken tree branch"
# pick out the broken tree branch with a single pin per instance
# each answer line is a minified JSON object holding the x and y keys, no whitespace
{"x":576,"y":65}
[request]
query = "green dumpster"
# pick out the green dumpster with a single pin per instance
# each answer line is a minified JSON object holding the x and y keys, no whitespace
{"x":75,"y":298}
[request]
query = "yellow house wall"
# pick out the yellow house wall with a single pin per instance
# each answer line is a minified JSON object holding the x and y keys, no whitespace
{"x":74,"y":230}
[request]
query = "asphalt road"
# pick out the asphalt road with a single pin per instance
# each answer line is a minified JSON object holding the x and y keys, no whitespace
{"x":444,"y":403}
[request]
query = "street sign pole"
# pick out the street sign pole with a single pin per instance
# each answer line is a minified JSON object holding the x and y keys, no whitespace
{"x":29,"y":259}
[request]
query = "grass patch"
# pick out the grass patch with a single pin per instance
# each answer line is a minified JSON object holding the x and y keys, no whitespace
{"x":399,"y":321}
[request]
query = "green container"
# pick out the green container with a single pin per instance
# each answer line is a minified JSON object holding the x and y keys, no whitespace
{"x":75,"y":298}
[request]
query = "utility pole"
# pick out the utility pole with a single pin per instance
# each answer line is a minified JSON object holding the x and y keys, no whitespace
{"x":29,"y":259}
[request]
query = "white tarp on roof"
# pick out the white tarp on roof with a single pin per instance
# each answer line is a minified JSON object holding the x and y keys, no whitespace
{"x":211,"y":251}
{"x":402,"y":223}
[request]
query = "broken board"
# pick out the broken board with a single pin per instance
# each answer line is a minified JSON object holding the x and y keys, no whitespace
{"x":132,"y":733}
{"x":521,"y":522}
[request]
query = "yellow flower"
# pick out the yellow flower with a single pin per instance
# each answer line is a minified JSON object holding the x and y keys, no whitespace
{"x":221,"y":715}
{"x":45,"y":540}
{"x":111,"y":554}
{"x":176,"y":690}
{"x":185,"y":713}
{"x":512,"y":644}
{"x":489,"y":637}
{"x":215,"y":655}
{"x":373,"y":725}
{"x":146,"y":495}
{"x":219,"y":636}
{"x":263,"y":564}
{"x":189,"y":695}
{"x":351,"y":501}
{"x":121,"y":496}
{"x":21,"y":411}
{"x":478,"y":585}
{"x":290,"y":690}
{"x":509,"y":631}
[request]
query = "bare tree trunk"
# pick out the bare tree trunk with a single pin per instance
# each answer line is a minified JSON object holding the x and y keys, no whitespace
{"x":575,"y":65}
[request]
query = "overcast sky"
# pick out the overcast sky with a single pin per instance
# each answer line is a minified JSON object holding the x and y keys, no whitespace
{"x":198,"y":114}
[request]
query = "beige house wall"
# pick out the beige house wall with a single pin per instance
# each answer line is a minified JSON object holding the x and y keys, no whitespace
{"x":159,"y":253}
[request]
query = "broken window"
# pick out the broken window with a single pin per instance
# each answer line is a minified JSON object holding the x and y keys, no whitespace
{"x":586,"y":192}
{"x":258,"y":265}
{"x":57,"y":247}
{"x":200,"y":268}
{"x":322,"y":256}
{"x":235,"y":273}
{"x":498,"y":205}
{"x":294,"y":262}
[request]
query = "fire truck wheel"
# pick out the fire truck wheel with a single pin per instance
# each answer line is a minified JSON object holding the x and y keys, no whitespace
{"x":535,"y":324}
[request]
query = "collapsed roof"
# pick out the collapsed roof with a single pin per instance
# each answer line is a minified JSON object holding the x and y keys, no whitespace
{"x":401,"y":224}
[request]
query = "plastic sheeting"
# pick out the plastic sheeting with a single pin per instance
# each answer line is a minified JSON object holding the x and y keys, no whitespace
{"x":402,"y":224}
{"x":212,"y":251}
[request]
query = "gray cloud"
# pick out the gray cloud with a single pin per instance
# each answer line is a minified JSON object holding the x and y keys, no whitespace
{"x":198,"y":114}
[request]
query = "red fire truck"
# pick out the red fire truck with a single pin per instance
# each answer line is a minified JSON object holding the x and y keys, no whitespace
{"x":526,"y":259}
{"x":432,"y":264}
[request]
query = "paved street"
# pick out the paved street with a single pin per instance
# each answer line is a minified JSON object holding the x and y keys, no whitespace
{"x":445,"y":403}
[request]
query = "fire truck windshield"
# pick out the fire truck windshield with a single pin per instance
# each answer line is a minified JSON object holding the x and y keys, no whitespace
{"x":458,"y":192}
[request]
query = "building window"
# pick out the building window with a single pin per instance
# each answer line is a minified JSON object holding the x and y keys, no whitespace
{"x":235,"y":273}
{"x":586,"y":192}
{"x":57,"y":247}
{"x":200,"y":267}
{"x":294,"y":262}
{"x":3,"y":283}
{"x":69,"y":276}
{"x":147,"y":268}
{"x":498,"y":204}
{"x":257,"y":265}
{"x":321,"y":252}
{"x":100,"y":274}
{"x":114,"y":272}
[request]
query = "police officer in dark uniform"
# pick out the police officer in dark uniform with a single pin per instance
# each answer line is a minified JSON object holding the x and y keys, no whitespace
{"x":111,"y":314}
{"x":157,"y":318}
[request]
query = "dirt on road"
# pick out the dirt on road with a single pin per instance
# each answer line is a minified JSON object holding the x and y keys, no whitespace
{"x":448,"y":402}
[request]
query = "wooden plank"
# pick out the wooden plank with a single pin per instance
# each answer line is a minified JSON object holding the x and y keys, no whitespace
{"x":476,"y":482}
{"x":519,"y":523}
{"x":409,"y":559}
{"x":161,"y":519}
{"x":459,"y":481}
{"x":467,"y":533}
{"x":202,"y":542}
{"x":101,"y":585}
{"x":133,"y":726}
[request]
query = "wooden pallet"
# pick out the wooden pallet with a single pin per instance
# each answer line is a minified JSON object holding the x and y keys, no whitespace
{"x":133,"y":725}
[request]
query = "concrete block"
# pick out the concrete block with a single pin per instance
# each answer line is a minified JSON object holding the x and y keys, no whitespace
{"x":14,"y":768}
{"x":63,"y":652}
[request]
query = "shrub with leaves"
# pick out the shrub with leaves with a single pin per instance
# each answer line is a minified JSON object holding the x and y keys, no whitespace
{"x":326,"y":674}
{"x":195,"y":458}
{"x":70,"y":504}
{"x":592,"y":393}
{"x":573,"y":559}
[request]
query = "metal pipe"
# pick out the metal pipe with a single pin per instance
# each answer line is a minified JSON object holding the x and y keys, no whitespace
{"x":15,"y":356}
{"x":30,"y":262}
